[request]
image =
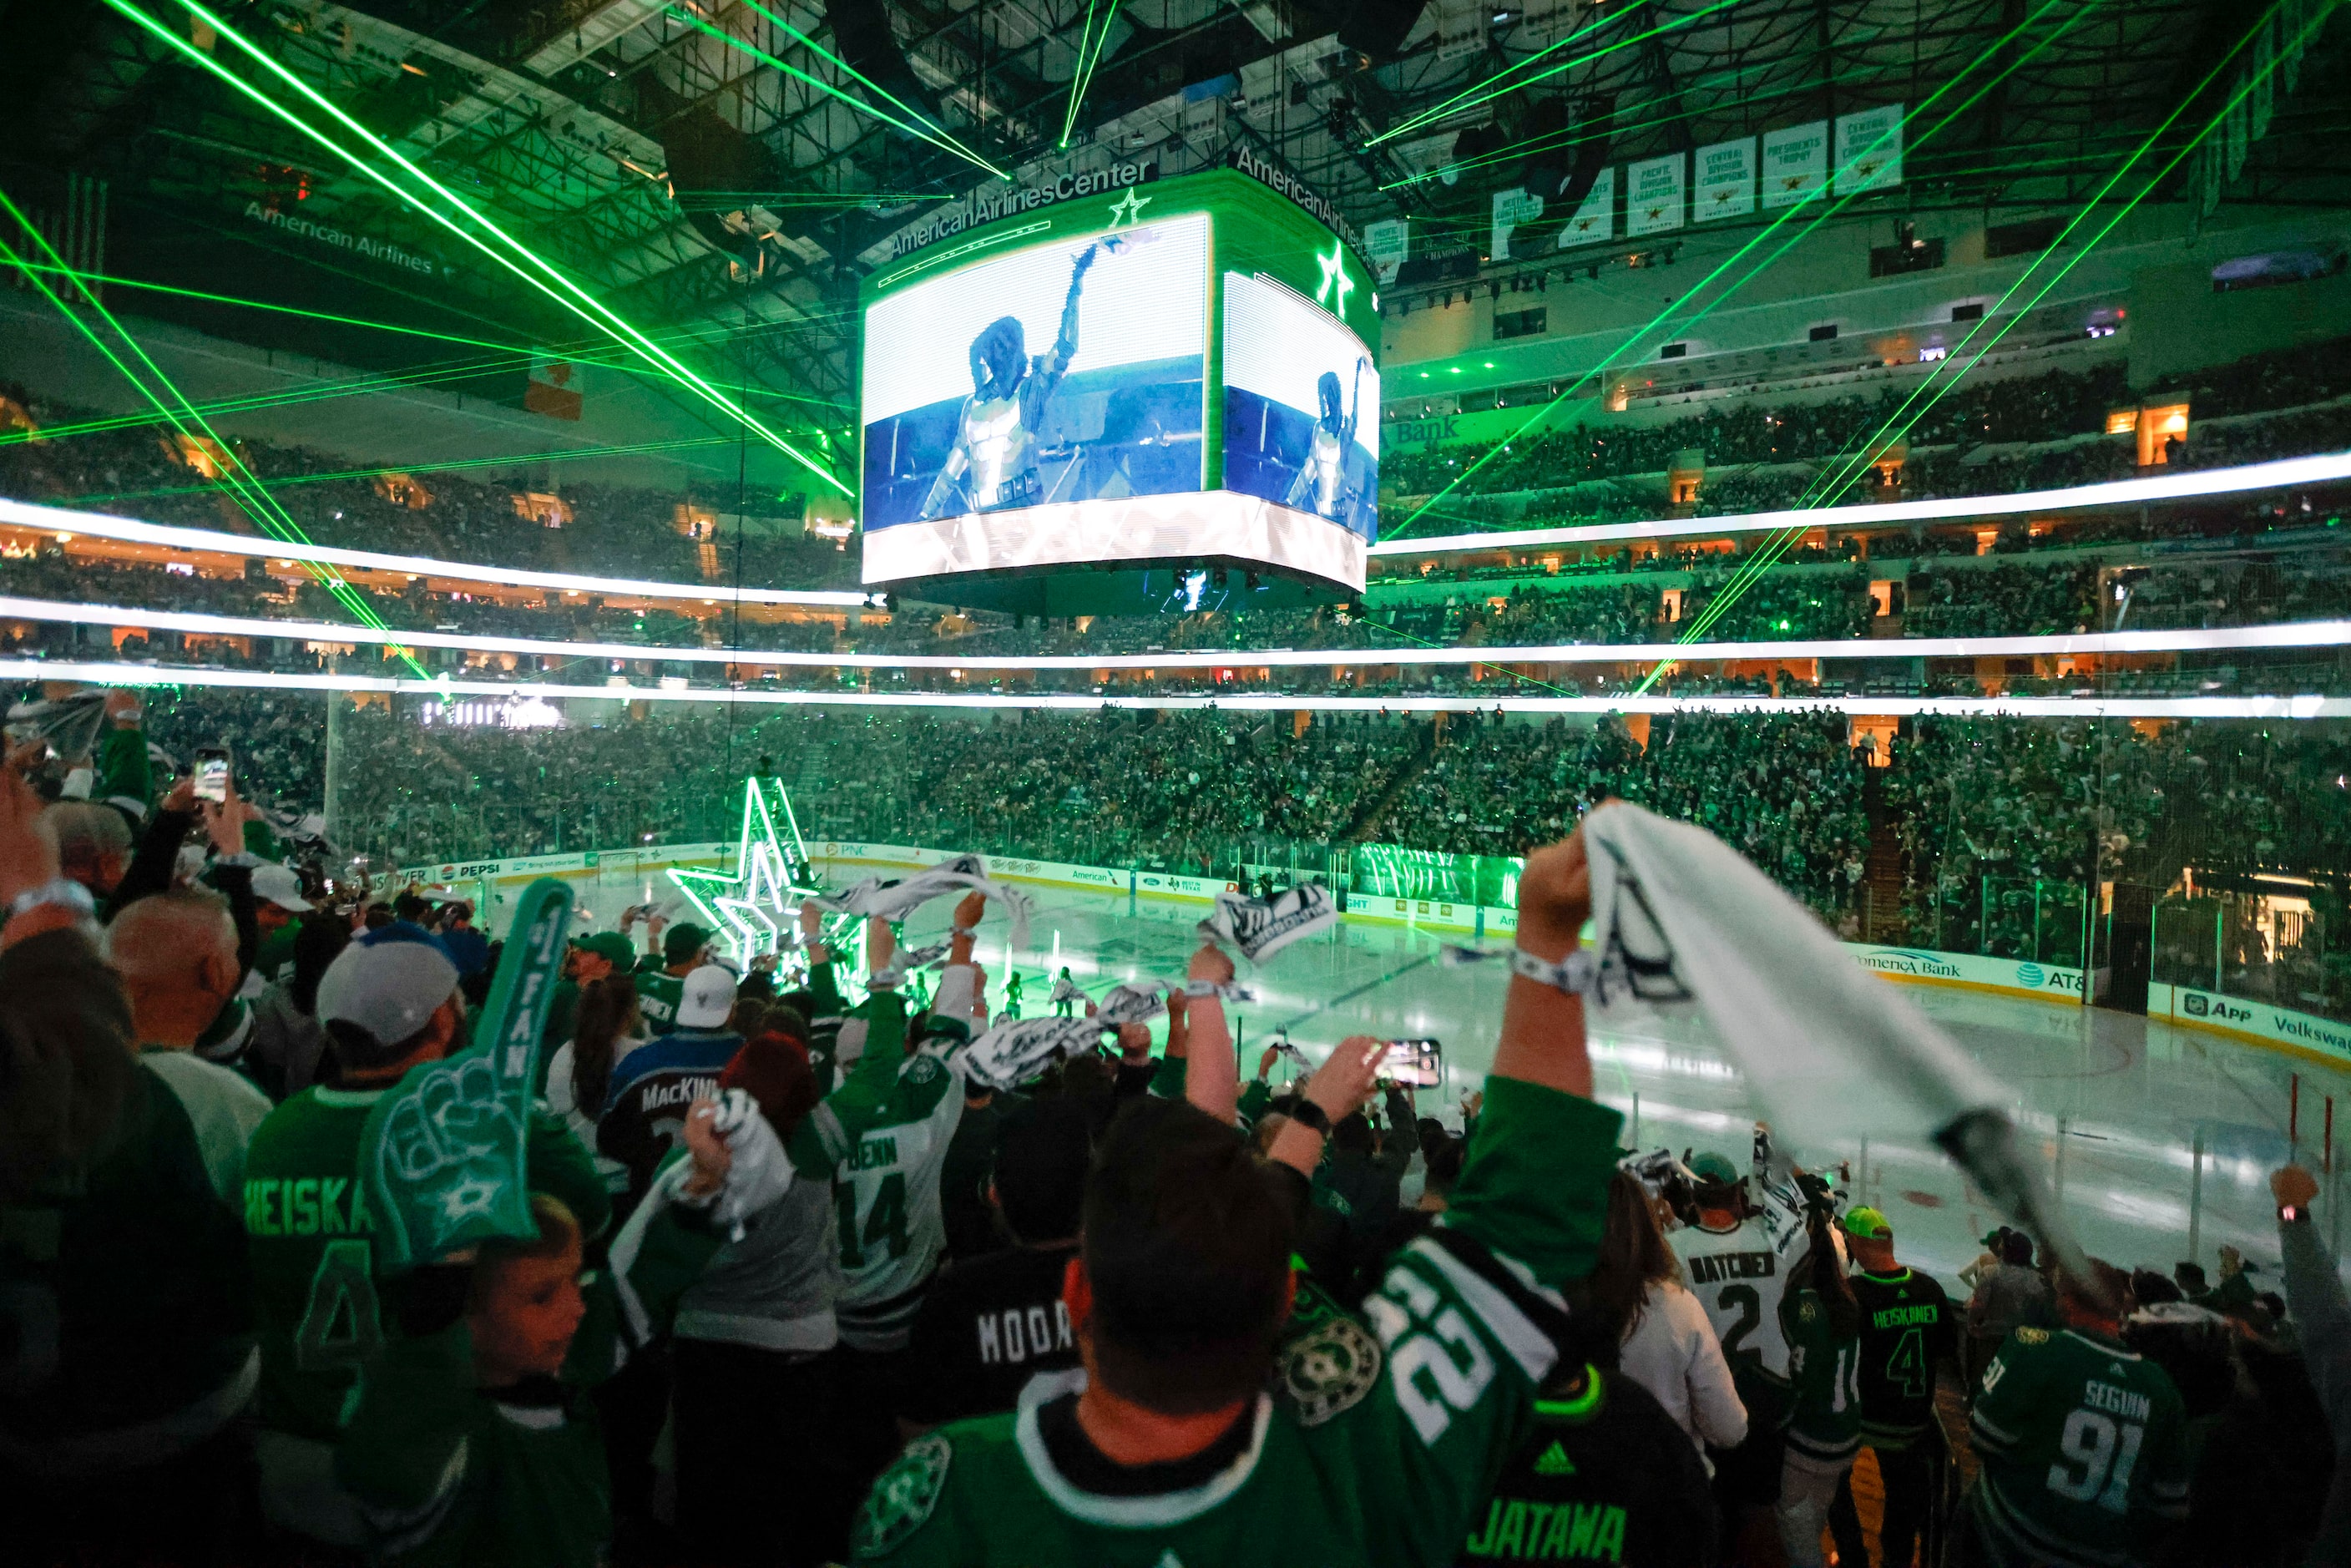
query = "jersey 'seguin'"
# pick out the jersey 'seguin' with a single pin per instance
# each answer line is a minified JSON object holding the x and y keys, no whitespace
{"x":2083,"y":1450}
{"x":1378,"y":1443}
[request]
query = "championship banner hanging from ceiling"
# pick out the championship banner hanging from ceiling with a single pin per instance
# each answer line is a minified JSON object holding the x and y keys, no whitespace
{"x":1595,"y":220}
{"x":1726,"y":180}
{"x":1869,"y":150}
{"x":1795,"y":163}
{"x":1654,"y":194}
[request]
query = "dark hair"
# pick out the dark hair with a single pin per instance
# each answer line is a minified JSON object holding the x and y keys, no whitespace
{"x":1188,"y":1245}
{"x":1633,"y":1256}
{"x":1444,"y":1158}
{"x":2100,"y":1285}
{"x":606,"y":1007}
{"x":2149,"y":1288}
{"x":1042,"y":1156}
{"x":356,"y":1048}
{"x":748,"y":1017}
{"x":1087,"y":1077}
{"x":318,"y":942}
{"x":378,"y":916}
{"x":68,"y":1072}
{"x":2016,"y":1247}
{"x":1353,"y":1132}
{"x":411,"y":906}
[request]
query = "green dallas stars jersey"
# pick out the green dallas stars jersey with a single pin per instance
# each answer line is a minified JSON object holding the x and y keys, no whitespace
{"x":309,"y":1240}
{"x":2082,"y":1451}
{"x":1379,"y":1443}
{"x":1824,"y":1374}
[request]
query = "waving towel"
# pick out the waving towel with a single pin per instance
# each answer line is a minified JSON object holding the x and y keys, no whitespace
{"x":895,"y":898}
{"x":1833,"y":1052}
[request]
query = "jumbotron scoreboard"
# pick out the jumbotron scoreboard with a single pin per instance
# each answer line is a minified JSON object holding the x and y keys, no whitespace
{"x":1179,"y":373}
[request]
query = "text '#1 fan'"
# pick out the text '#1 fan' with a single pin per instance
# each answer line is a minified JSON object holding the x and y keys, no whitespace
{"x":1062,"y":405}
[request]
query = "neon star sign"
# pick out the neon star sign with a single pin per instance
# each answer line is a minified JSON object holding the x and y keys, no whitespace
{"x":1336,"y":285}
{"x":761,"y":899}
{"x":1128,"y":211}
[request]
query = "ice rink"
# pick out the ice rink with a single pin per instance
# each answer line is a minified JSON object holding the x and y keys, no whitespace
{"x":2119,"y":1104}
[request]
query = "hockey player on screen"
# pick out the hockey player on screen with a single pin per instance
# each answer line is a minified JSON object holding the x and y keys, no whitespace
{"x":1321,"y":486}
{"x":992,"y":463}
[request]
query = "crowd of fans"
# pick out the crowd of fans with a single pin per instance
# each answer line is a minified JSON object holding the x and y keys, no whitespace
{"x":1802,"y":597}
{"x":803,"y":1260}
{"x":2036,"y":433}
{"x":444,"y":514}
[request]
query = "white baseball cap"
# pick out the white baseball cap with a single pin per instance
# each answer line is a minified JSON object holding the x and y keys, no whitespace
{"x":708,"y":1000}
{"x":278,"y":884}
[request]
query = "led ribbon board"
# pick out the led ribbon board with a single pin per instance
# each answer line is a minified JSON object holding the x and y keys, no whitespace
{"x":1171,"y":371}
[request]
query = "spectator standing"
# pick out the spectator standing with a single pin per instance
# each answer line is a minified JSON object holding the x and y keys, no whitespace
{"x":1910,"y":1332}
{"x":388,"y":1003}
{"x":467,"y":948}
{"x":651,"y":1085}
{"x":2315,"y":1297}
{"x":176,"y":953}
{"x":661,"y":987}
{"x":1734,"y":1268}
{"x":2081,"y":1441}
{"x":2012,"y":1296}
{"x":1381,"y":1446}
{"x":277,"y":908}
{"x":1823,"y":1323}
{"x":588,"y":959}
{"x":986,"y":1326}
{"x":119,"y":1255}
{"x":608,"y":1029}
{"x":757,"y":1481}
{"x":288,"y":1041}
{"x":1664,"y":1341}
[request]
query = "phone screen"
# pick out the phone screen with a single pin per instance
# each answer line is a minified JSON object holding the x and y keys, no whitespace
{"x":1419,"y":1062}
{"x":211,"y":775}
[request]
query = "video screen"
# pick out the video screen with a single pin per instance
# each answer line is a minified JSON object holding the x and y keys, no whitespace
{"x":1302,"y":407}
{"x":1066,"y":374}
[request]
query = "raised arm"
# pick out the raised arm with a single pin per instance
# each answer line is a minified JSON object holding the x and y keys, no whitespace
{"x":1543,"y":1027}
{"x":1212,"y":1077}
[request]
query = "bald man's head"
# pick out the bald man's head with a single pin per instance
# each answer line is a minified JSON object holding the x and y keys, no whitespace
{"x":176,"y":953}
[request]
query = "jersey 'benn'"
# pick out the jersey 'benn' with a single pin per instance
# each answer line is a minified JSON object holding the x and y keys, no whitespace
{"x":1379,"y":1445}
{"x":2083,"y":1452}
{"x":1906,"y":1331}
{"x":891,"y":1228}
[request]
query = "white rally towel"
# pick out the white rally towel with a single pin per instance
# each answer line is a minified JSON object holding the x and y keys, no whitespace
{"x":1833,"y":1052}
{"x":1261,"y":927}
{"x":1012,"y":1054}
{"x":895,"y":898}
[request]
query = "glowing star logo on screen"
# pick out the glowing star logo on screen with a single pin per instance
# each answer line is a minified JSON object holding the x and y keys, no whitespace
{"x":1128,"y":210}
{"x":1336,"y":285}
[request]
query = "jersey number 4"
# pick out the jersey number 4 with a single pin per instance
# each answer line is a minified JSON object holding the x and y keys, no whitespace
{"x":1907,"y":1368}
{"x":885,"y":1222}
{"x":340,"y":1329}
{"x":2106,"y":1450}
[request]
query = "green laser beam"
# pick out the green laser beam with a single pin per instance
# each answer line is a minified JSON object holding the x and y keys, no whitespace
{"x":551,"y":280}
{"x":915,"y":124}
{"x":1463,"y":99}
{"x":1477,"y":664}
{"x":1089,"y":48}
{"x":1829,"y":487}
{"x":604,"y":356}
{"x":1812,"y":201}
{"x":236,"y":478}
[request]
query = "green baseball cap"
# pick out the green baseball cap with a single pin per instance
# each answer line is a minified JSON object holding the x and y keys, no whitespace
{"x":610,"y":946}
{"x":1867,"y":1224}
{"x":1711,"y":1166}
